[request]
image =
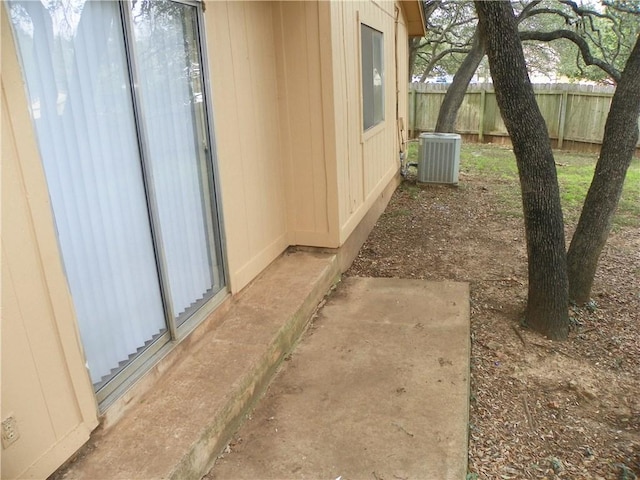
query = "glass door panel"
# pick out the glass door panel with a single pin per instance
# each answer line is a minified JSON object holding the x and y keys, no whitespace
{"x":168,"y":69}
{"x":74,"y":62}
{"x":129,"y":171}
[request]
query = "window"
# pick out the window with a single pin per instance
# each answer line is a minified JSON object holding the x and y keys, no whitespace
{"x":372,"y":76}
{"x":116,"y":95}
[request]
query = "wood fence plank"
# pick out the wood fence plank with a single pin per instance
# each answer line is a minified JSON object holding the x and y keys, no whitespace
{"x":575,"y":113}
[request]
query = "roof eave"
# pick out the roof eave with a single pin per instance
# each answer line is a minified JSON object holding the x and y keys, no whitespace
{"x":414,"y":16}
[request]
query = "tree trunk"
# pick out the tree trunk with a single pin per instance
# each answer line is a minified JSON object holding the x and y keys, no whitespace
{"x":618,"y":146}
{"x":456,"y":91}
{"x":548,"y":291}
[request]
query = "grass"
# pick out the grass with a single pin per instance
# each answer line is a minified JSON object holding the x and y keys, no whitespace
{"x":497,"y":164}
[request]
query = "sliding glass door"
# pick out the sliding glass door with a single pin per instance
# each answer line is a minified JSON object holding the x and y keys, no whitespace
{"x":118,"y":100}
{"x":168,"y":70}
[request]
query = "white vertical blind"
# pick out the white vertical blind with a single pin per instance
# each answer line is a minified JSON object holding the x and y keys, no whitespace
{"x":168,"y":66}
{"x":73,"y":57}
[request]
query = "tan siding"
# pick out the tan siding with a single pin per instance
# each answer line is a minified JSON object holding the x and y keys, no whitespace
{"x":329,"y":172}
{"x":379,"y":157}
{"x":367,"y":161}
{"x":328,"y":121}
{"x":345,"y":46}
{"x":303,"y":106}
{"x":342,"y":107}
{"x":314,"y":92}
{"x":45,"y":384}
{"x":243,"y":70}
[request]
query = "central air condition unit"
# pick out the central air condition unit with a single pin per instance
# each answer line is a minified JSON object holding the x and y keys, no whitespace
{"x":439,"y":158}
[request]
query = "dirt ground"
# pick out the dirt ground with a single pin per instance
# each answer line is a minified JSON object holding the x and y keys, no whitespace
{"x":539,"y":409}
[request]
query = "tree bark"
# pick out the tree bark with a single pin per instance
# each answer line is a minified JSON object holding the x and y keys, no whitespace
{"x":618,"y":145}
{"x":456,"y":91}
{"x":548,"y":289}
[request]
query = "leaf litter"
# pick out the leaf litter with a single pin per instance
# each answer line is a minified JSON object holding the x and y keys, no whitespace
{"x":538,"y":409}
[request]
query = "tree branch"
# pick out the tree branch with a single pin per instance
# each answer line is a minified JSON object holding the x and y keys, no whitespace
{"x":439,"y":57}
{"x":538,"y":11}
{"x":582,"y":44}
{"x":583,"y":12}
{"x":429,"y":7}
{"x":526,"y":11}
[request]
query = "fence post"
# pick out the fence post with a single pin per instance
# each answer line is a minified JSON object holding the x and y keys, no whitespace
{"x":563,"y":116}
{"x":415,"y":112}
{"x":483,"y":100}
{"x":412,"y":111}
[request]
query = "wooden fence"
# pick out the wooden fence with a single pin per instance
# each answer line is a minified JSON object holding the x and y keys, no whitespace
{"x":575,"y":114}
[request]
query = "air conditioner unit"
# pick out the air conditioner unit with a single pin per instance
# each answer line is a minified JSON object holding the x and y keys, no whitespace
{"x":439,"y":158}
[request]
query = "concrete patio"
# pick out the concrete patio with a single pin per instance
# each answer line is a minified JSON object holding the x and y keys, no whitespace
{"x":379,"y":386}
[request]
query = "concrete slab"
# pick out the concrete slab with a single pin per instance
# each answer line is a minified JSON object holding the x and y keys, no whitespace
{"x":182,"y":423}
{"x":377,"y":389}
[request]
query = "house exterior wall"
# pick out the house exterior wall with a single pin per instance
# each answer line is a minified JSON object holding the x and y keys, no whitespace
{"x":273,"y":108}
{"x":306,"y":113}
{"x":45,"y":385}
{"x":242,"y":62}
{"x":294,"y":168}
{"x":366,"y":161}
{"x":402,"y":70}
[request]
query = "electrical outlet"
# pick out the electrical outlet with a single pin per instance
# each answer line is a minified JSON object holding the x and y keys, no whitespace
{"x":9,"y":431}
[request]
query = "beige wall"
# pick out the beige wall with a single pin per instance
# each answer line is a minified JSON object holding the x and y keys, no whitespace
{"x":45,"y":385}
{"x":306,"y":112}
{"x":272,"y":95}
{"x":295,"y":166}
{"x":366,"y":161}
{"x":242,"y":62}
{"x":402,"y":47}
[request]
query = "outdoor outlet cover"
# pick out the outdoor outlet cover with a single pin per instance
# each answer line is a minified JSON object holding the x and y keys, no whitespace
{"x":9,"y":431}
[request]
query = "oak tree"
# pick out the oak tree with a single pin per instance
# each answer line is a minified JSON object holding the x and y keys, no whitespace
{"x":556,"y":277}
{"x":548,"y":289}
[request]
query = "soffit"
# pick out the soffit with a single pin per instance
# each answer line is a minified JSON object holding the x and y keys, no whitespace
{"x":414,"y":14}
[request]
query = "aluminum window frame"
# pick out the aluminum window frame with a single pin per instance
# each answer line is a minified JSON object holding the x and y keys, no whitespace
{"x":177,"y":331}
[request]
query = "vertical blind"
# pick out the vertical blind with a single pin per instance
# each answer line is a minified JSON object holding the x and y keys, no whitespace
{"x":75,"y":66}
{"x":167,"y":34}
{"x":109,"y":163}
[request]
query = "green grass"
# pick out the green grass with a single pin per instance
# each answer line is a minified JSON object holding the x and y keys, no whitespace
{"x":497,"y":166}
{"x":412,"y":152}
